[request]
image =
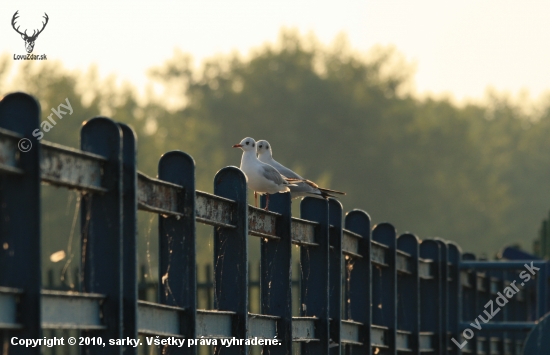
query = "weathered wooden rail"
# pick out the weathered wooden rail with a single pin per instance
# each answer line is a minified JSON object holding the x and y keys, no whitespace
{"x":402,"y":295}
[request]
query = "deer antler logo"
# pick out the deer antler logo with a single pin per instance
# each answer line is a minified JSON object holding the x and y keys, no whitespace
{"x":29,"y":40}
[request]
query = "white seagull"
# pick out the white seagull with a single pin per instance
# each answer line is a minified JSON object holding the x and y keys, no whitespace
{"x":261,"y":177}
{"x":304,"y":187}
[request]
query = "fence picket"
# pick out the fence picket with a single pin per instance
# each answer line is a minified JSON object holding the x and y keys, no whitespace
{"x":335,"y":275}
{"x":231,"y":257}
{"x":177,"y":249}
{"x":409,"y":292}
{"x":315,"y":280}
{"x":430,"y":294}
{"x":102,"y":230}
{"x":384,"y":291}
{"x":129,"y":237}
{"x":20,"y":259}
{"x":359,"y":276}
{"x":276,"y":275}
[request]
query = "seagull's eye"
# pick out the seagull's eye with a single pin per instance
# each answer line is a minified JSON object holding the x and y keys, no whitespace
{"x":260,"y":146}
{"x":266,"y":147}
{"x":247,"y":143}
{"x":253,"y":145}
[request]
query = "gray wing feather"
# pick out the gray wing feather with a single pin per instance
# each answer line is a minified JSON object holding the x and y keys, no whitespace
{"x":272,"y":174}
{"x":284,"y":170}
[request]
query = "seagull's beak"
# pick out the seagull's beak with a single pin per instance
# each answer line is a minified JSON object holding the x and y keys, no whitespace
{"x":237,"y":146}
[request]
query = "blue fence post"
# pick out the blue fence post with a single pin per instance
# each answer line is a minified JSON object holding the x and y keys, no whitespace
{"x":315,"y":268}
{"x":508,"y":315}
{"x":409,"y":292}
{"x":177,"y":246}
{"x":455,"y":296}
{"x":543,"y":290}
{"x":484,"y":293}
{"x":359,"y":302}
{"x":537,"y":341}
{"x":102,"y":226}
{"x":20,"y":218}
{"x":498,"y":277}
{"x":385,"y":286}
{"x":519,"y":312}
{"x":430,"y":294}
{"x":471,"y":304}
{"x":276,"y":275}
{"x":547,"y":277}
{"x":129,"y":230}
{"x":444,"y":276}
{"x":231,"y":256}
{"x":335,"y":274}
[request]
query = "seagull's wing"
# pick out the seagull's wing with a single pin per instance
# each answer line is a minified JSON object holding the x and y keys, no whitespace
{"x":271,"y":174}
{"x":284,"y":170}
{"x":311,"y":183}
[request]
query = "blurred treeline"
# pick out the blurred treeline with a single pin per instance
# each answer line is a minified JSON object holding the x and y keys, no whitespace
{"x":477,"y":174}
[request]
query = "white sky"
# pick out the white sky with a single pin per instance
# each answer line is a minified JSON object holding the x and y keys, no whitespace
{"x":459,"y":47}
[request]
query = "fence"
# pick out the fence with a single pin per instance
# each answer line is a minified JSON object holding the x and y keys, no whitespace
{"x":401,"y":295}
{"x":542,"y":244}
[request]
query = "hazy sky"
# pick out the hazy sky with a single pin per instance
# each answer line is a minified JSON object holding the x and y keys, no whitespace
{"x":459,"y":47}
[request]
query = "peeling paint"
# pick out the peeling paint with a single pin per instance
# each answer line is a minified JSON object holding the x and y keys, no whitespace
{"x":302,"y":231}
{"x":214,"y":210}
{"x":350,"y":243}
{"x":261,"y":222}
{"x":158,"y":196}
{"x":8,"y":153}
{"x":77,"y":169}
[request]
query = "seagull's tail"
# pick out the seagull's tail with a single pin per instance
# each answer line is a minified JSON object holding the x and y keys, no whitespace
{"x":322,"y":189}
{"x":326,"y":193}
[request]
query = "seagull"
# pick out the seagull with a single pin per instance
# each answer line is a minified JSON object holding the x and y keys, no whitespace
{"x":261,"y":177}
{"x":304,"y":187}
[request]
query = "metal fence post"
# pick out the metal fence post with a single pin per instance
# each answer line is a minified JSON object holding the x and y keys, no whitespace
{"x":129,"y":230}
{"x":102,"y":226}
{"x":500,"y":316}
{"x":335,"y":274}
{"x":360,"y":277}
{"x":385,"y":300}
{"x":276,"y":275}
{"x":430,"y":294}
{"x":543,"y":291}
{"x":509,"y":314}
{"x":409,"y":292}
{"x":444,"y":305}
{"x":471,"y":304}
{"x":455,"y":296}
{"x":177,"y":246}
{"x":20,"y":218}
{"x":315,"y":268}
{"x":231,"y":257}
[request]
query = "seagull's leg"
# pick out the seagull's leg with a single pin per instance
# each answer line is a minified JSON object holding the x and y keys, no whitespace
{"x":266,"y":201}
{"x":255,"y":199}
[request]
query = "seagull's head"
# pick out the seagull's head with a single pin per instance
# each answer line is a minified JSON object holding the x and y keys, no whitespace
{"x":247,"y":144}
{"x":264,"y":148}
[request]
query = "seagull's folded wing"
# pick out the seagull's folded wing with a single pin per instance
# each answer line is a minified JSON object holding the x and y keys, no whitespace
{"x":271,"y":174}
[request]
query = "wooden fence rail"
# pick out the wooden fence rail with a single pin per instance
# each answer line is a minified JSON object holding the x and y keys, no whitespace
{"x":403,"y":295}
